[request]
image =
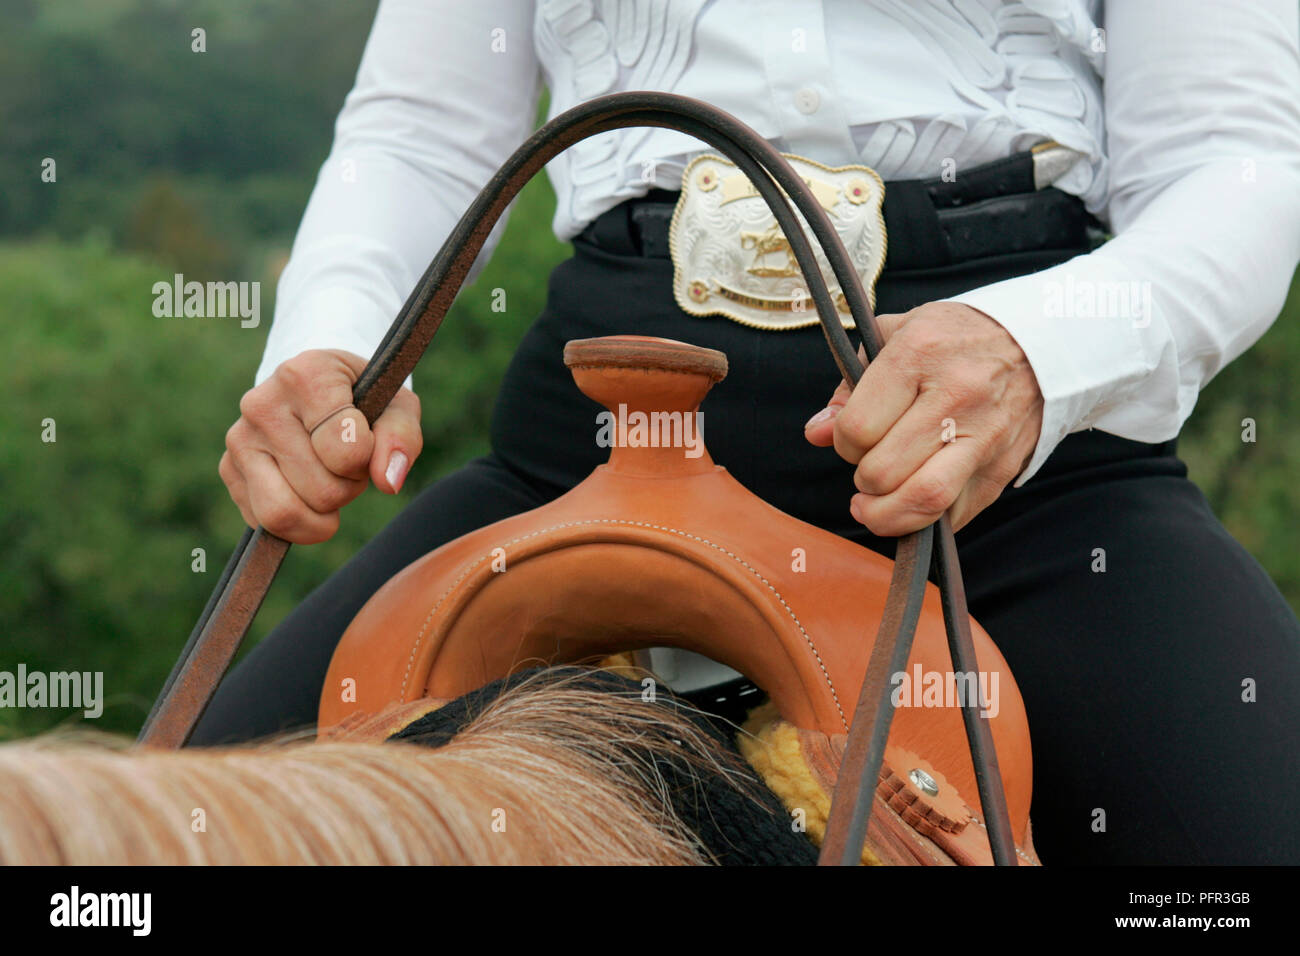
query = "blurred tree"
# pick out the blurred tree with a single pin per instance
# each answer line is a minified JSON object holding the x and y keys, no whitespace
{"x":167,"y":228}
{"x":113,"y":92}
{"x":1252,"y":484}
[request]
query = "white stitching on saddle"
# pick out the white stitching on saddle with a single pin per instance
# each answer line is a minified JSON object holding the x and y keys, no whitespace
{"x":639,"y":524}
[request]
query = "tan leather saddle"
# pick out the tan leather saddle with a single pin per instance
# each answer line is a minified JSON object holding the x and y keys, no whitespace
{"x":685,"y":556}
{"x":656,"y":548}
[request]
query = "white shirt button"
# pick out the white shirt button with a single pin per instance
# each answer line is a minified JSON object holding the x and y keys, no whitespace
{"x":807,"y":100}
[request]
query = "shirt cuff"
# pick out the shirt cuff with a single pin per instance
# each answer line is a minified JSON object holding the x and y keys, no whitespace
{"x":1086,"y":359}
{"x":335,"y":318}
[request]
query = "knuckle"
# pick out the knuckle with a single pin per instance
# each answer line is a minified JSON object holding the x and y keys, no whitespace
{"x":236,"y":437}
{"x":931,"y":495}
{"x":863,"y":479}
{"x":965,"y":388}
{"x":333,"y":496}
{"x":872,"y":477}
{"x":307,"y":376}
{"x":848,"y":423}
{"x":920,"y":338}
{"x":256,"y":404}
{"x":405,"y":433}
{"x":850,"y":428}
{"x":354,"y":457}
{"x":882,"y":527}
{"x":279,"y":517}
{"x":876,"y":518}
{"x":322,"y":529}
{"x":297,"y":372}
{"x":891,"y":521}
{"x":417,"y":441}
{"x":345,"y":459}
{"x":846,"y":448}
{"x":402,"y":420}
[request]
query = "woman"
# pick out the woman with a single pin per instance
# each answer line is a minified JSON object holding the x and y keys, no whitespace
{"x":1032,"y":383}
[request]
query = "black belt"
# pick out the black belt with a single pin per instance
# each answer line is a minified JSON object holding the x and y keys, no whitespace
{"x":989,"y":210}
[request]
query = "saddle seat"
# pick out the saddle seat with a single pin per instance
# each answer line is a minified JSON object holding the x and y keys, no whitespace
{"x":657,"y":548}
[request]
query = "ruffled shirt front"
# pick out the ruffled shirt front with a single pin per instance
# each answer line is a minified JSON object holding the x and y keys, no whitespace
{"x":1192,"y":156}
{"x":898,"y":85}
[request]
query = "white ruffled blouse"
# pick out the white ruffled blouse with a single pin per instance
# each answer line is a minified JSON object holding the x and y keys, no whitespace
{"x":1192,"y":156}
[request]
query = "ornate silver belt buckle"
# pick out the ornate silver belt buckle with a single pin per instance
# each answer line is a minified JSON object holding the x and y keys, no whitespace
{"x":731,"y":258}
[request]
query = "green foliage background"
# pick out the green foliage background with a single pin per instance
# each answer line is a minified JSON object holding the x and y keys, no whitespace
{"x":202,"y":163}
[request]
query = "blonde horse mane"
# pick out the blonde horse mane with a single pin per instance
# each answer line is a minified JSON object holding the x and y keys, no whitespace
{"x":550,"y":772}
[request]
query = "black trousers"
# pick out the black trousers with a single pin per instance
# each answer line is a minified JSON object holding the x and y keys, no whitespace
{"x":1144,"y":749}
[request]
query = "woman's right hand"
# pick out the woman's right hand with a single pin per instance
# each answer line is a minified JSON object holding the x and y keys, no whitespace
{"x":300,"y":450}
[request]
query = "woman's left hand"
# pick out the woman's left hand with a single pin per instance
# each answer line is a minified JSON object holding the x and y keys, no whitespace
{"x":946,"y":417}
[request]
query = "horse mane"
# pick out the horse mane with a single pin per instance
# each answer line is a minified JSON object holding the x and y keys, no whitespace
{"x":550,"y":771}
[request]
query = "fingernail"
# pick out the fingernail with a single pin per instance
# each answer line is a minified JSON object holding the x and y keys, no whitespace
{"x":396,"y":470}
{"x":824,"y":415}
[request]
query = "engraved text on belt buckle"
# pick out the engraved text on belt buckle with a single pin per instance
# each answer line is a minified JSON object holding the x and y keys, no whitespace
{"x":731,"y":258}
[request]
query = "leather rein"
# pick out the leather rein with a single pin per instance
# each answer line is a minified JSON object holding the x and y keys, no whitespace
{"x":252,"y":566}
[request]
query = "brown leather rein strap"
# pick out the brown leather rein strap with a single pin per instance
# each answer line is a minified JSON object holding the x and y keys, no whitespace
{"x":252,"y":567}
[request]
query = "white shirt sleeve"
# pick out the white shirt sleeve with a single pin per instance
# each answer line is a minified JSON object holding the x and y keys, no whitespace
{"x":445,"y":92}
{"x":1202,"y":105}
